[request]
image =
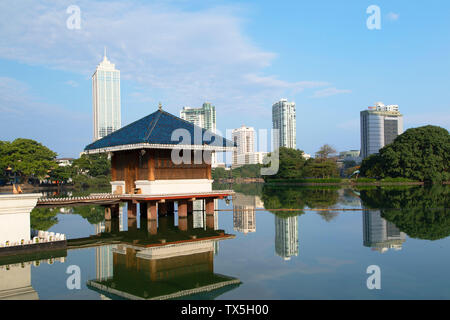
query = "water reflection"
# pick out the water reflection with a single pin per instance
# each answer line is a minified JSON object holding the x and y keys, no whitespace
{"x":15,"y":273}
{"x":286,"y":235}
{"x":380,"y":234}
{"x":421,"y":213}
{"x":160,"y":260}
{"x":244,"y":216}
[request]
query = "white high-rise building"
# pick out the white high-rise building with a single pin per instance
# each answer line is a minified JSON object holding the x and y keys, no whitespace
{"x":204,"y":117}
{"x":244,"y":137}
{"x":380,"y":125}
{"x":284,"y":120}
{"x":106,"y":99}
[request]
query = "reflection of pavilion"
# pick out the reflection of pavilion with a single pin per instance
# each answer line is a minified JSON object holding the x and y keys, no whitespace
{"x":380,"y":234}
{"x":15,"y":283}
{"x":244,"y":217}
{"x":168,"y":264}
{"x":286,"y":236}
{"x":15,"y":273}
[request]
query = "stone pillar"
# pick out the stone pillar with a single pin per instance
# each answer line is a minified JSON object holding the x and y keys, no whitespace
{"x":209,"y":206}
{"x":152,"y":212}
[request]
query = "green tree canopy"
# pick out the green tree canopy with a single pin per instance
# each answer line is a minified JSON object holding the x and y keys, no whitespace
{"x":419,"y":154}
{"x":291,"y":163}
{"x":43,"y":218}
{"x":94,"y":165}
{"x":27,"y":158}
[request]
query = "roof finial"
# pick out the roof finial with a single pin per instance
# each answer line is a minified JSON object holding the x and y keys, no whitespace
{"x":104,"y":55}
{"x":160,"y":107}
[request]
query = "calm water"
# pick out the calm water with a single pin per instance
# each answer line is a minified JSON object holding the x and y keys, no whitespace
{"x":307,"y":254}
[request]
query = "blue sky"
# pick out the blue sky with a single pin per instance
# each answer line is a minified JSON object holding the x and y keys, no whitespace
{"x":240,"y":55}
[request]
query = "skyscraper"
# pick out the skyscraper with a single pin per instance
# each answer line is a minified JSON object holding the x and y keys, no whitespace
{"x":244,"y":137}
{"x":106,"y":99}
{"x":204,"y":117}
{"x":380,"y":125}
{"x":284,"y":120}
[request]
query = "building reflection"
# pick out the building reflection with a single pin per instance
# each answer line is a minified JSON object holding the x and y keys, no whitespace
{"x":286,"y":236}
{"x":15,"y":274}
{"x":160,"y":260}
{"x":244,"y":217}
{"x":380,"y":234}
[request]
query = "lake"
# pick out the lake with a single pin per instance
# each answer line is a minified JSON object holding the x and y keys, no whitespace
{"x":265,"y":243}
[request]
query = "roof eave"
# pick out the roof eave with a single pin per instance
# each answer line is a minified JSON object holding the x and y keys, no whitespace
{"x":137,"y":146}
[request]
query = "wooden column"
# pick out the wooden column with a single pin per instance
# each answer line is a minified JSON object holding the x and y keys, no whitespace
{"x":152,"y":213}
{"x":210,"y":221}
{"x":182,"y":208}
{"x":113,"y":167}
{"x":131,"y":210}
{"x":183,"y":223}
{"x":151,"y":166}
{"x":209,"y":206}
{"x":182,"y":215}
{"x":152,"y":226}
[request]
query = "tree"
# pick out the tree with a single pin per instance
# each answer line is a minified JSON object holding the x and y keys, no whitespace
{"x":420,"y":154}
{"x":291,"y":164}
{"x":325,"y":151}
{"x":93,"y":165}
{"x":60,"y":174}
{"x":320,"y":168}
{"x":27,"y":158}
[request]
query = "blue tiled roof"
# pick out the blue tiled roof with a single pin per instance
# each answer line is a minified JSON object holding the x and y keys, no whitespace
{"x":156,"y":128}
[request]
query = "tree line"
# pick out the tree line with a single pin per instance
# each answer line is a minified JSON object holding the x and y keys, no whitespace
{"x":32,"y":163}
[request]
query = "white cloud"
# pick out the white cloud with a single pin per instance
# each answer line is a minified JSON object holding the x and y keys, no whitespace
{"x":26,"y":116}
{"x":393,"y":16}
{"x":329,"y":92}
{"x":185,"y":56}
{"x":72,"y":83}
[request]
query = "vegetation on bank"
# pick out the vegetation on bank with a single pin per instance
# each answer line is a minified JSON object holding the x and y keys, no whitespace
{"x":421,"y":154}
{"x":31,"y":163}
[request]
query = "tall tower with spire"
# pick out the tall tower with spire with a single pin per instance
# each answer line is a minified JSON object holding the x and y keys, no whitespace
{"x":106,"y":98}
